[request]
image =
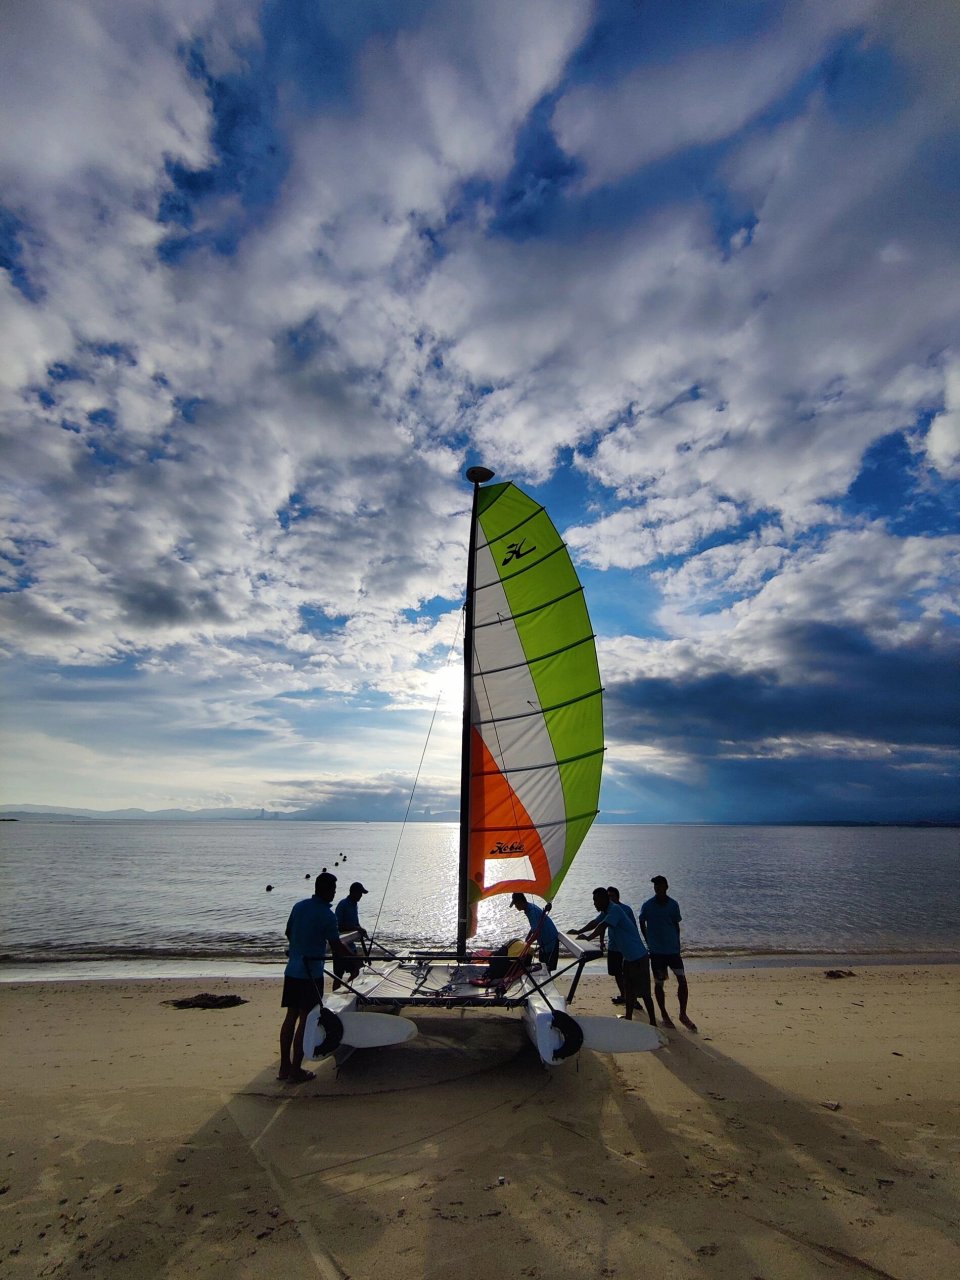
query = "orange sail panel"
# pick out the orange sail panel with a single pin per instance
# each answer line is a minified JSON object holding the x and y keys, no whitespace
{"x":506,"y":829}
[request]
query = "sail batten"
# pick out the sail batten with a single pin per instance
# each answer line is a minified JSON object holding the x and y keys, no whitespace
{"x":536,"y":711}
{"x":505,"y":533}
{"x":499,"y":621}
{"x":532,"y":768}
{"x":540,"y":657}
{"x":536,"y":708}
{"x":527,"y":568}
{"x":578,"y":817}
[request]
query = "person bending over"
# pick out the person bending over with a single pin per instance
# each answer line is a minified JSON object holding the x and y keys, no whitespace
{"x":548,"y":940}
{"x":624,"y":936}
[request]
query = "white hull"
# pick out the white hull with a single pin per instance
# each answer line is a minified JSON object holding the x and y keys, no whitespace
{"x":418,"y":983}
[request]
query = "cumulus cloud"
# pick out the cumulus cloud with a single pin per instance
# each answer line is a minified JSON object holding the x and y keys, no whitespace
{"x":264,"y":297}
{"x":705,"y":96}
{"x":943,"y":435}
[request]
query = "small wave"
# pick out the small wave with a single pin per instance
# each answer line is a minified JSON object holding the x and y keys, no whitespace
{"x":92,"y":954}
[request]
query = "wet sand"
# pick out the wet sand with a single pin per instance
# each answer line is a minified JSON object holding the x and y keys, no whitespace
{"x":810,"y":1129}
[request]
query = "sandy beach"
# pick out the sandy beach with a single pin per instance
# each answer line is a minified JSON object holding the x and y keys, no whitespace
{"x":810,"y":1129}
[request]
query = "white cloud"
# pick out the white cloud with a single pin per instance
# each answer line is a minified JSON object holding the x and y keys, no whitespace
{"x":943,"y":435}
{"x":96,"y":94}
{"x":702,"y":97}
{"x":807,"y":339}
{"x":893,"y":589}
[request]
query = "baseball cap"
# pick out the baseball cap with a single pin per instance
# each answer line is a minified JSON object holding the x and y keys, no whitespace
{"x":357,"y":885}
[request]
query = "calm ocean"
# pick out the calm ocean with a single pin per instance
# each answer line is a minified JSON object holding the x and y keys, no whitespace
{"x":83,"y":898}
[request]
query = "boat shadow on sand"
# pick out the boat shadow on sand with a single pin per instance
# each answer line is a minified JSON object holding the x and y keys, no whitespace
{"x":459,"y":1153}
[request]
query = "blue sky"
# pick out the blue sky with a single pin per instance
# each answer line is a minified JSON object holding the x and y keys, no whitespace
{"x":275,"y":273}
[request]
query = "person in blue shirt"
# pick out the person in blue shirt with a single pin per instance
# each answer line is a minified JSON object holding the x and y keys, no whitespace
{"x":660,"y":922}
{"x":614,"y":958}
{"x":548,"y":940}
{"x":624,"y":936}
{"x":348,"y":921}
{"x":311,"y":926}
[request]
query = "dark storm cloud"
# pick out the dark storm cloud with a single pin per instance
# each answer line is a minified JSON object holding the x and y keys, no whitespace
{"x":845,"y":685}
{"x":148,"y":603}
{"x":842,"y":728}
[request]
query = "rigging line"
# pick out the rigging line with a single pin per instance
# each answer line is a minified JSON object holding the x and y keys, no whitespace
{"x":406,"y":813}
{"x":430,"y":1134}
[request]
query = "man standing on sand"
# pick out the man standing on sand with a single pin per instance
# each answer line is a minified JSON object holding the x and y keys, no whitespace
{"x":548,"y":940}
{"x":310,"y":927}
{"x":624,"y":936}
{"x":660,"y":922}
{"x":348,"y":921}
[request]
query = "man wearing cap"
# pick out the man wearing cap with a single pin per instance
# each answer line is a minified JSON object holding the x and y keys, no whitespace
{"x":660,"y":924}
{"x":348,"y":921}
{"x":548,"y":940}
{"x":310,"y":928}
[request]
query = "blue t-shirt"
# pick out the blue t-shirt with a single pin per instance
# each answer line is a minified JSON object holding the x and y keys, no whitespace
{"x":547,"y":938}
{"x":311,"y":926}
{"x":622,"y":932}
{"x":629,"y":911}
{"x":348,"y":917}
{"x":663,"y":926}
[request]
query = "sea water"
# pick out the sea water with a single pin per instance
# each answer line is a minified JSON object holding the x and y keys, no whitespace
{"x":186,"y":897}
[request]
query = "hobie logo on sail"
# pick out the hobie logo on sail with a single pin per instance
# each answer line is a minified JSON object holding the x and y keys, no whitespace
{"x":503,"y":850}
{"x":516,"y":551}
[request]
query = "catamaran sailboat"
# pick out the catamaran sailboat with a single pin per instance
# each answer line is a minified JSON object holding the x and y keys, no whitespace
{"x":532,"y":755}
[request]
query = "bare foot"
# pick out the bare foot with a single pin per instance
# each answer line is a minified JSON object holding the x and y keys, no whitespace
{"x":687,"y":1022}
{"x":283,"y":1073}
{"x":665,"y":1022}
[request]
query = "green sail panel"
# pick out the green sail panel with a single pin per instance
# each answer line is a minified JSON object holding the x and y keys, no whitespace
{"x":536,"y":752}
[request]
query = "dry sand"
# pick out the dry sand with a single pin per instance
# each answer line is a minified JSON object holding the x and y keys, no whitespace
{"x":811,"y":1129}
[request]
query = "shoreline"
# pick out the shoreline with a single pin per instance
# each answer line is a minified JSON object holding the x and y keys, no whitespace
{"x":812,"y":1127}
{"x":171,"y":968}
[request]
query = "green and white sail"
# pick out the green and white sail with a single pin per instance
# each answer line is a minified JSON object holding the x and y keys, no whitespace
{"x":536,"y":706}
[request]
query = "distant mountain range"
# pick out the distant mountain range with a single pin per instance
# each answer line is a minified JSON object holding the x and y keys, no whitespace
{"x":330,"y":813}
{"x":28,"y":812}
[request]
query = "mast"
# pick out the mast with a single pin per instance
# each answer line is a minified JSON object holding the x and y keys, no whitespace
{"x":477,"y":476}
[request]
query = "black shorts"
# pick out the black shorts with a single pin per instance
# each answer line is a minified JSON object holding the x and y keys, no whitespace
{"x":550,"y":958}
{"x":660,"y":965}
{"x":614,"y":963}
{"x":301,"y":993}
{"x":636,"y":977}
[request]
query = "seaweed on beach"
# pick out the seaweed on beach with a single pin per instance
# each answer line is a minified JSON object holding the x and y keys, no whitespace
{"x":205,"y":1001}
